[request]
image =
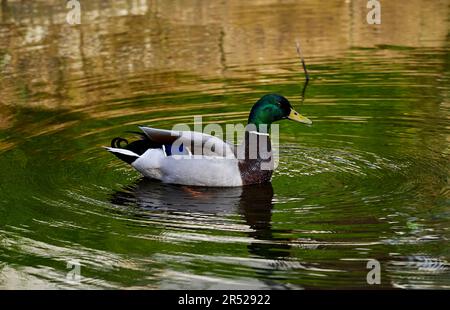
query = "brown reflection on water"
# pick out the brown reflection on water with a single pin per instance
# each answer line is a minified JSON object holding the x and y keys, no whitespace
{"x":144,"y":47}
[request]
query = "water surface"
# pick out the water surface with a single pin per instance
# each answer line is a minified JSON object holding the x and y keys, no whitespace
{"x":369,"y":179}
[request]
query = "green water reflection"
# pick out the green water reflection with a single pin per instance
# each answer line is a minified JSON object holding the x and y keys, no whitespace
{"x":369,"y":180}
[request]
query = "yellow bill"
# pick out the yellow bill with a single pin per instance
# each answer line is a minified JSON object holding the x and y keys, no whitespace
{"x":295,"y":116}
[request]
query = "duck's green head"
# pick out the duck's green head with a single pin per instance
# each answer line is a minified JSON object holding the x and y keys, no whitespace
{"x":271,"y":108}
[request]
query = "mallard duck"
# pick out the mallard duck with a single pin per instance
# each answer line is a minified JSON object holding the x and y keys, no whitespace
{"x":194,"y":158}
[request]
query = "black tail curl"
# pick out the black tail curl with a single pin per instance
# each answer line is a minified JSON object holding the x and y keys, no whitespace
{"x":116,"y":142}
{"x":138,"y":146}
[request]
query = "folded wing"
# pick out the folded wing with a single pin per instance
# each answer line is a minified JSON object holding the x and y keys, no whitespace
{"x":197,"y":143}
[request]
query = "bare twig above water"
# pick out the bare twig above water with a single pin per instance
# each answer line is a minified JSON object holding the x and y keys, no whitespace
{"x":305,"y":85}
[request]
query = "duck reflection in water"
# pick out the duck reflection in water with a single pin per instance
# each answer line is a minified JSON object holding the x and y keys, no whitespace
{"x":253,"y":203}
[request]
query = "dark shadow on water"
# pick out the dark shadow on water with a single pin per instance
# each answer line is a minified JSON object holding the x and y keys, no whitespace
{"x":150,"y":195}
{"x":256,"y":207}
{"x":253,"y":203}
